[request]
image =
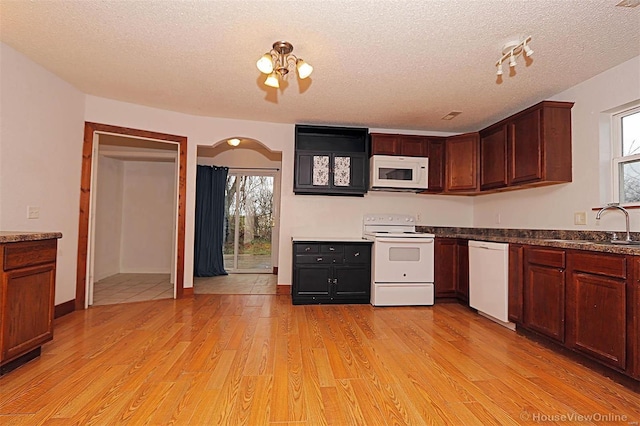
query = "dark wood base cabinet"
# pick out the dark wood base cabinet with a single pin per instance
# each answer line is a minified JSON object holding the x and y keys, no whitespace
{"x":27,"y":281}
{"x":544,"y":291}
{"x":589,"y":302}
{"x":331,"y":272}
{"x":451,"y":269}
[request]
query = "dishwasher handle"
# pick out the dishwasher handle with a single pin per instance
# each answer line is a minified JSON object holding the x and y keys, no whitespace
{"x":489,"y":245}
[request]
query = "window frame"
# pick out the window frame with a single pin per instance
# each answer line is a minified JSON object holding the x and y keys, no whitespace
{"x":617,"y":159}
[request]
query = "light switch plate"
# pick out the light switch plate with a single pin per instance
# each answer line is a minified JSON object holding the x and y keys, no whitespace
{"x":33,"y":212}
{"x":580,"y":218}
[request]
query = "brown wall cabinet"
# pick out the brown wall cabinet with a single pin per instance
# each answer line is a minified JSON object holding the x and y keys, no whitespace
{"x":461,"y":164}
{"x":403,"y":145}
{"x":436,"y":154}
{"x":493,"y":158}
{"x":540,"y":144}
{"x":27,"y":296}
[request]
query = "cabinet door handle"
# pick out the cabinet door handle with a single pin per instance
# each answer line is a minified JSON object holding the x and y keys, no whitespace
{"x":335,"y":281}
{"x":319,"y":259}
{"x":307,"y":249}
{"x":329,"y":280}
{"x":331,"y":249}
{"x":356,"y":254}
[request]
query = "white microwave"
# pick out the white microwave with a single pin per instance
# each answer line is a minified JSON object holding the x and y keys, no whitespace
{"x":399,"y":173}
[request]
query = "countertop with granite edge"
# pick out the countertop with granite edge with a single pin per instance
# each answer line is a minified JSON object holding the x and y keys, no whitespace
{"x":17,"y":236}
{"x":578,"y":240}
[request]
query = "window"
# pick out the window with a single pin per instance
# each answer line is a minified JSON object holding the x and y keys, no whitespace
{"x":626,"y":156}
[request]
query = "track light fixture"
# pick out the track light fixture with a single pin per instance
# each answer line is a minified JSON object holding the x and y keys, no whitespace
{"x":279,"y":61}
{"x":511,"y":51}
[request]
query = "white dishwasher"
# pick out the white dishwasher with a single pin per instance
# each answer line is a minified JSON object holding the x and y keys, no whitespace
{"x":489,"y":280}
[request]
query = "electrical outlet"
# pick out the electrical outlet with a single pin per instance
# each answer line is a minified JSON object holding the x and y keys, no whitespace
{"x":33,"y":212}
{"x":580,"y":218}
{"x":498,"y":218}
{"x":418,"y":217}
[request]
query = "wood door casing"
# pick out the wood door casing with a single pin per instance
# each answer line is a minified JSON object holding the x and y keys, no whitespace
{"x":85,"y":198}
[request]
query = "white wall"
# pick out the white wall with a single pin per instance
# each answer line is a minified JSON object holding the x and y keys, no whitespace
{"x":148,"y":210}
{"x":553,"y":207}
{"x":108,"y":218}
{"x":40,"y":157}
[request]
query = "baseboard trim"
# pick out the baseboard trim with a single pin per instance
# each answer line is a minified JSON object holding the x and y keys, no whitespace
{"x":64,"y":308}
{"x":275,"y":270}
{"x":283,"y":289}
{"x":187,"y":292}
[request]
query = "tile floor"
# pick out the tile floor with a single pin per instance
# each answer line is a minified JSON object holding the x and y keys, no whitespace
{"x":127,"y":288}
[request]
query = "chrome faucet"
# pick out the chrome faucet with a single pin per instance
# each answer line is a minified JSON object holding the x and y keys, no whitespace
{"x":623,"y":210}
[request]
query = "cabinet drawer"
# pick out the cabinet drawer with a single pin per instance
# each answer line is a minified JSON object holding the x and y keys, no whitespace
{"x":29,"y":253}
{"x":307,"y":248}
{"x":331,"y":248}
{"x":357,"y":254}
{"x":545,"y":257}
{"x":321,"y":259}
{"x":600,"y":264}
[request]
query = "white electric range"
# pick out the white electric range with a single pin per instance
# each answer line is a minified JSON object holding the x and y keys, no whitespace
{"x":402,"y":264}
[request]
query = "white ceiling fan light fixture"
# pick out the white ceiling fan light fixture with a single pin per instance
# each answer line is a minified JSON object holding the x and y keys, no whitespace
{"x":279,"y":61}
{"x":512,"y":50}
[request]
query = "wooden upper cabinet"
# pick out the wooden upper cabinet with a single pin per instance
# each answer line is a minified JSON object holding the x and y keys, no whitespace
{"x":539,"y":148}
{"x":461,"y":156}
{"x":436,"y":154}
{"x":493,"y":158}
{"x":384,"y":144}
{"x":402,"y":145}
{"x":413,"y":146}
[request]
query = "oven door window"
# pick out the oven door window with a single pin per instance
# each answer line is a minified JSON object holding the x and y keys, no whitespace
{"x":395,"y":173}
{"x":404,"y":254}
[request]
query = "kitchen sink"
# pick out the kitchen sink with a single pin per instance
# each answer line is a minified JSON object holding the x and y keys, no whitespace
{"x":623,"y":242}
{"x":573,"y":241}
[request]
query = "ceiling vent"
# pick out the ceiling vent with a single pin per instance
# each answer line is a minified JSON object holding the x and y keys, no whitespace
{"x":452,"y":115}
{"x":629,"y":3}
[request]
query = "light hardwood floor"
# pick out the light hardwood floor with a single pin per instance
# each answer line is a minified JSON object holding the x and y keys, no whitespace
{"x":127,"y":288}
{"x":258,"y":360}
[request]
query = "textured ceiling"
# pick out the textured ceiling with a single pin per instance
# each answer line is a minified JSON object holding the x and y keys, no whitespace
{"x":381,"y":64}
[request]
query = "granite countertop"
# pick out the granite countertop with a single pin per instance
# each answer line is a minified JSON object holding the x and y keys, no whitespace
{"x":17,"y":236}
{"x":330,"y":239}
{"x":577,"y":240}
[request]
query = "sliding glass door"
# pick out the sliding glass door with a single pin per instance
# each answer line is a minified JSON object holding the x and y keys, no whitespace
{"x":248,"y":222}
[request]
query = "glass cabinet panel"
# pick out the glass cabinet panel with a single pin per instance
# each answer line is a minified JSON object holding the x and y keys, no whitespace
{"x":320,"y":170}
{"x":342,"y":171}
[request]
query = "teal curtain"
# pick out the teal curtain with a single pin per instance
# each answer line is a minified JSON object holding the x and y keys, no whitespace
{"x":211,"y":182}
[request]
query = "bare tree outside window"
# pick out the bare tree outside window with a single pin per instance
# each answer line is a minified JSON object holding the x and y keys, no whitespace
{"x":248,"y":222}
{"x":629,"y":169}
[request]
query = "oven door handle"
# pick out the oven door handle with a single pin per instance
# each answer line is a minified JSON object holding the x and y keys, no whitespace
{"x":404,"y":240}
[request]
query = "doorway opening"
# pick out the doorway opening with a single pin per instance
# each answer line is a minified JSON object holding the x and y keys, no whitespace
{"x":252,"y":217}
{"x":86,"y":222}
{"x":249,"y":221}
